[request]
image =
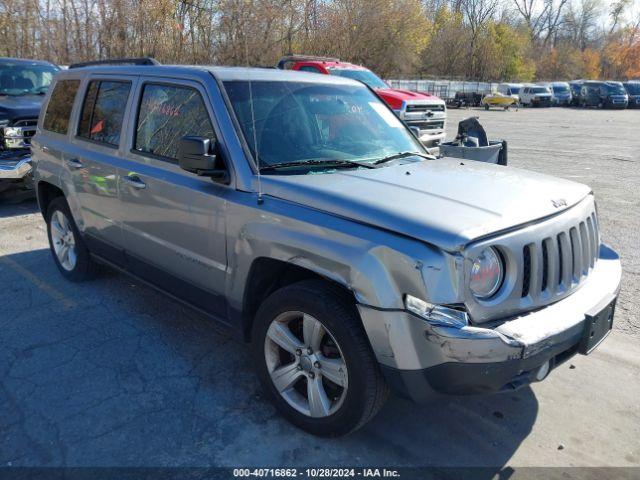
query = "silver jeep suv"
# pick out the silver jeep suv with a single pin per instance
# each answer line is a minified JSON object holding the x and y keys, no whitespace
{"x":302,"y":213}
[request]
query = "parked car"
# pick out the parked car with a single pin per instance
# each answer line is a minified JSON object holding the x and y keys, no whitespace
{"x":633,"y":92}
{"x":561,"y":92}
{"x":299,"y":211}
{"x":425,"y":112}
{"x":23,"y":84}
{"x":576,"y":92}
{"x":604,"y":95}
{"x":510,"y":89}
{"x":535,"y":96}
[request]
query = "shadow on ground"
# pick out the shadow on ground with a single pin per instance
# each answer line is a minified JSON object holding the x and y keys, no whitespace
{"x":17,"y":204}
{"x":111,"y":373}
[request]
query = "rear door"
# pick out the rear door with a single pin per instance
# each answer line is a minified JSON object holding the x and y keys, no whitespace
{"x":91,"y":160}
{"x":173,"y":221}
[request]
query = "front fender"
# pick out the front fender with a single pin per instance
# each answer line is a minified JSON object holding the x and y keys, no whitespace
{"x":378,"y":266}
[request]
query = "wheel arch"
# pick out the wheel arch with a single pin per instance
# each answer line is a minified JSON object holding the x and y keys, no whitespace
{"x":266,"y":275}
{"x":45,"y":193}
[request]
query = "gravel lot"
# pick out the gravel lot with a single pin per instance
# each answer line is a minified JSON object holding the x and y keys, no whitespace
{"x":110,"y":373}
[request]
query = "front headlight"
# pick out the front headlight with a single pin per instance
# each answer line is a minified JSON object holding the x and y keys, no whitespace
{"x":487,"y":273}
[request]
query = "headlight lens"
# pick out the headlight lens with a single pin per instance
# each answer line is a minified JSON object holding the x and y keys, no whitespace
{"x":486,"y":273}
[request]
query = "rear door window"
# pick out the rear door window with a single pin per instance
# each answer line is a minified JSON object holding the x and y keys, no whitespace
{"x":167,"y":113}
{"x":56,"y":118}
{"x":103,"y":111}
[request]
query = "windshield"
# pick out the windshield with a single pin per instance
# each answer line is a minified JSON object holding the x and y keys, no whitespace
{"x":560,"y":89}
{"x":304,"y":122}
{"x":365,"y":76}
{"x":633,"y":88}
{"x":539,"y":90}
{"x":25,"y":79}
{"x":513,"y":91}
{"x":615,"y":88}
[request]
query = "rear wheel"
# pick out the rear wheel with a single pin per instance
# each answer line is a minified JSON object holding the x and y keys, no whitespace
{"x":314,"y":360}
{"x":69,"y":252}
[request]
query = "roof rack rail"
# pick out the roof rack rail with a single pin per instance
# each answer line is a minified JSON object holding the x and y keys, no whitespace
{"x":117,"y":61}
{"x":284,"y":62}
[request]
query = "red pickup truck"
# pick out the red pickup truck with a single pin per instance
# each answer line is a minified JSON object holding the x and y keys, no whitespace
{"x":421,"y":110}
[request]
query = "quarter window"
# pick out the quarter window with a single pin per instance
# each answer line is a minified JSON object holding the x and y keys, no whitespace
{"x":103,"y":111}
{"x":56,"y":118}
{"x":309,"y":68}
{"x":168,"y":113}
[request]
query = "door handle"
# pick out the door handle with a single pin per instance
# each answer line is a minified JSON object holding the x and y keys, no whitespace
{"x":74,"y":163}
{"x":134,"y":182}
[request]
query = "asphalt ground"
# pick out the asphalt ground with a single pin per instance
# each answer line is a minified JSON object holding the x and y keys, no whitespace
{"x":111,"y":373}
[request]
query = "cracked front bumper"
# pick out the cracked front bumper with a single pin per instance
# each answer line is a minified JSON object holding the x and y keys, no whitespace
{"x":421,"y":360}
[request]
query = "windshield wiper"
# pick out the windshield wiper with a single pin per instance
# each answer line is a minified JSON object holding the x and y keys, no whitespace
{"x":317,"y":163}
{"x":395,"y":156}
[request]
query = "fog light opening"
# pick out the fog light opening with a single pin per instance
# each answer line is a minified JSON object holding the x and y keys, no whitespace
{"x":543,"y":371}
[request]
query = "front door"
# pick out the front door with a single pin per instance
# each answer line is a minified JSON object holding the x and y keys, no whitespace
{"x":173,"y":221}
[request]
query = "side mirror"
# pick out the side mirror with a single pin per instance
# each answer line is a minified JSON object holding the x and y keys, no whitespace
{"x":200,"y":155}
{"x":415,"y":131}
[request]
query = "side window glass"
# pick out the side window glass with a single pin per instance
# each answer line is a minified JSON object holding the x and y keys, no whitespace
{"x":56,"y":118}
{"x":103,"y":111}
{"x":309,"y":68}
{"x":168,"y":113}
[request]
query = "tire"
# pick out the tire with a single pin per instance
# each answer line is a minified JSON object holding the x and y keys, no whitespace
{"x":345,"y":408}
{"x":62,"y":232}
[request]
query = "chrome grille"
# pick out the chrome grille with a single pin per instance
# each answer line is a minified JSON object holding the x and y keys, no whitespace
{"x":418,"y":107}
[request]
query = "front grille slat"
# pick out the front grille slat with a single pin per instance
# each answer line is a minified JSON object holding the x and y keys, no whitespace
{"x":576,"y":248}
{"x":536,"y":269}
{"x":593,"y":243}
{"x":586,"y":248}
{"x":552,"y":255}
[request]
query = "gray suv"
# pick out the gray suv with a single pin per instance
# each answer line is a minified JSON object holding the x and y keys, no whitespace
{"x":301,"y":212}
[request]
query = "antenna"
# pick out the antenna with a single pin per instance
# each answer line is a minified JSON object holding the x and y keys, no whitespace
{"x":253,"y":124}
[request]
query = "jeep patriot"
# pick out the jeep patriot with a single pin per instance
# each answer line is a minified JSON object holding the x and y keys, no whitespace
{"x":302,"y":213}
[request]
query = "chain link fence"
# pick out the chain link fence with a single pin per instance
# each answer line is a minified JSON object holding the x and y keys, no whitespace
{"x":445,"y":89}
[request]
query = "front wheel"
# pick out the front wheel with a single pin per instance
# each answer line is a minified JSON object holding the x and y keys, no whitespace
{"x":314,"y":360}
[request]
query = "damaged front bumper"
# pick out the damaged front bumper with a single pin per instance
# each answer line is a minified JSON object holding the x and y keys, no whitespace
{"x":420,"y":359}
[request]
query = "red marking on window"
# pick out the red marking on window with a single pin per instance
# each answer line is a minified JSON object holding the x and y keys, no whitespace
{"x":98,"y":127}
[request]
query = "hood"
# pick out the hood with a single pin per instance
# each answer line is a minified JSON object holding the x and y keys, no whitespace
{"x":444,"y":202}
{"x":20,"y":107}
{"x":394,"y":97}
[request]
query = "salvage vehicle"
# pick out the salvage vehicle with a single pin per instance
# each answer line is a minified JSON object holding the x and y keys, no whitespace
{"x":604,"y":95}
{"x":299,"y":211}
{"x":561,"y":92}
{"x":423,"y":111}
{"x":535,"y":96}
{"x":633,"y":92}
{"x":23,"y":84}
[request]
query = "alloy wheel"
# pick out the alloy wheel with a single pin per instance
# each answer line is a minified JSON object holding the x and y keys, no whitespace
{"x":305,"y":364}
{"x":63,"y":239}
